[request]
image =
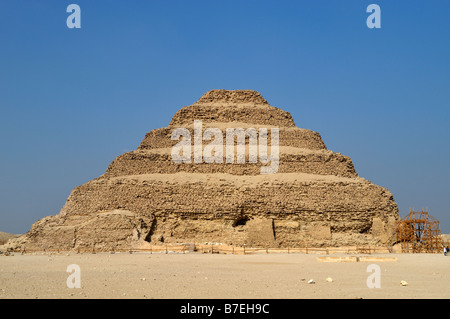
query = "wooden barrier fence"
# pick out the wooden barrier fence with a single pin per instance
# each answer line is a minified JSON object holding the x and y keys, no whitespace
{"x":222,"y":249}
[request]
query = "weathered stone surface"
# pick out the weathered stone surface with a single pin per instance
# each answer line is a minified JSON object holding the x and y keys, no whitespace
{"x":321,"y":162}
{"x":294,"y":137}
{"x":316,"y":198}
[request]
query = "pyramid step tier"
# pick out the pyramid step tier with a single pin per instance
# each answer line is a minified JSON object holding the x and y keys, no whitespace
{"x":291,"y":160}
{"x":255,"y":115}
{"x":296,"y":208}
{"x":225,"y":193}
{"x":294,"y":137}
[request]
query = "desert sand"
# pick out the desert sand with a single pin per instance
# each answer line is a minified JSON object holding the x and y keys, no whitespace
{"x":214,"y":276}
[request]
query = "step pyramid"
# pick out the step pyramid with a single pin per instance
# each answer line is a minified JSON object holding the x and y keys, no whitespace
{"x":313,"y":197}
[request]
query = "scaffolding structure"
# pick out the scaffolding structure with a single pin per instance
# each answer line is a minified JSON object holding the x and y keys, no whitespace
{"x":419,"y":232}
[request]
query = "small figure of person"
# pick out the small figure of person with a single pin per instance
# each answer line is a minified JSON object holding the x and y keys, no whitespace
{"x":445,"y":251}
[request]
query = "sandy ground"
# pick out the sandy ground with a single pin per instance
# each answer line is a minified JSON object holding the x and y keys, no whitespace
{"x":196,"y":275}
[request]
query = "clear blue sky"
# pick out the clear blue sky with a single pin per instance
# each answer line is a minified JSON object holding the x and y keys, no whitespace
{"x":71,"y":100}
